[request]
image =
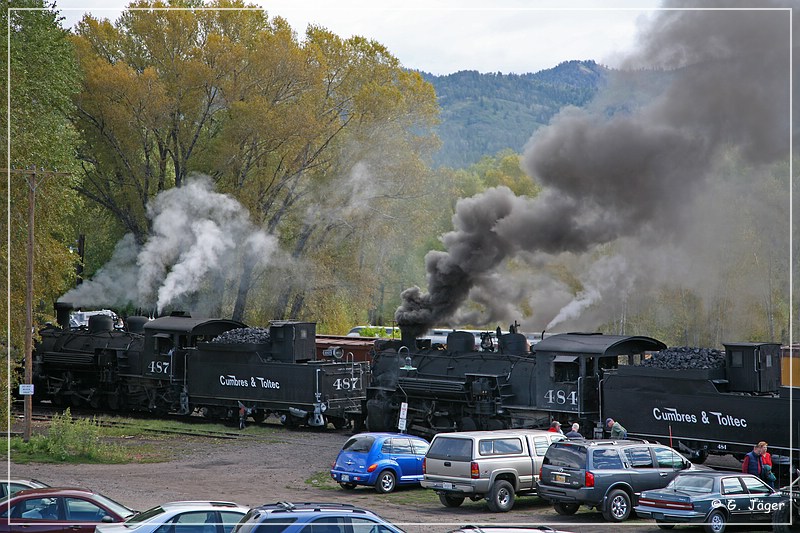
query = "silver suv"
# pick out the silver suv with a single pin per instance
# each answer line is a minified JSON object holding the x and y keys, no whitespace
{"x":607,"y":475}
{"x":496,"y":465}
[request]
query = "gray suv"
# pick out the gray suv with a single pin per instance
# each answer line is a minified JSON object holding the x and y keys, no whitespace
{"x":606,"y":475}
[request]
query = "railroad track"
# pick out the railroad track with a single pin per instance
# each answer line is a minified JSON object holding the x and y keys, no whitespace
{"x":105,"y":422}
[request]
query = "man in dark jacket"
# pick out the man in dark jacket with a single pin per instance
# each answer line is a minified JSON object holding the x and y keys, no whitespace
{"x":753,"y":463}
{"x":574,"y":433}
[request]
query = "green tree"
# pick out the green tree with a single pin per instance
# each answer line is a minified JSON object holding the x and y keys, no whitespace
{"x":319,"y":139}
{"x":43,"y":78}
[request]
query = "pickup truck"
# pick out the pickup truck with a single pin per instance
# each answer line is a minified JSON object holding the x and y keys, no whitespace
{"x":495,"y":465}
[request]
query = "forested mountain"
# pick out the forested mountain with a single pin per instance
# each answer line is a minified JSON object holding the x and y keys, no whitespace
{"x":485,"y":113}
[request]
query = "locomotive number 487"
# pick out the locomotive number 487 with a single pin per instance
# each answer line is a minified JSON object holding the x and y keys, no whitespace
{"x":347,"y":384}
{"x":561,"y":397}
{"x":158,"y":367}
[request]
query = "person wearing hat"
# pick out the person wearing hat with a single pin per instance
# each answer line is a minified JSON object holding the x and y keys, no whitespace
{"x":555,"y":427}
{"x":616,"y":429}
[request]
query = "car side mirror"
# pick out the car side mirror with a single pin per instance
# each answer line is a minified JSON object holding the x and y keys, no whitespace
{"x":106,"y":519}
{"x":686,"y":465}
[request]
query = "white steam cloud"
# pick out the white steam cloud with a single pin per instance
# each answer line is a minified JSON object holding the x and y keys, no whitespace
{"x":199,"y":238}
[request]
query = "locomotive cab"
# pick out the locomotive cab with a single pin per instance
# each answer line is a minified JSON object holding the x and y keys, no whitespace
{"x":577,"y":364}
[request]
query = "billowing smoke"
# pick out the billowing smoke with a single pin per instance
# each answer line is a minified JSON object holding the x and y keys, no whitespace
{"x":199,"y":238}
{"x":628,"y":173}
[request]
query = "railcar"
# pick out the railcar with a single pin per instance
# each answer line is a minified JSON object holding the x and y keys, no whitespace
{"x":173,"y":365}
{"x":585,"y":378}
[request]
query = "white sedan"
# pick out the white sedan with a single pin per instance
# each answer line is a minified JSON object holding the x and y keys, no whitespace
{"x":183,"y":516}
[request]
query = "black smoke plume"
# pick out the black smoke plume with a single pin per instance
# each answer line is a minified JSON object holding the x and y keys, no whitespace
{"x":627,"y":173}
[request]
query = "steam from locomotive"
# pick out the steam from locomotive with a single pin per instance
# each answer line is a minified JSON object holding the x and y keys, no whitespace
{"x":635,"y":176}
{"x":199,"y":237}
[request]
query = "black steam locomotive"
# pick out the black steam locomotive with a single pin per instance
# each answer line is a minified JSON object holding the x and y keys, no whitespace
{"x":175,"y":364}
{"x":585,"y":378}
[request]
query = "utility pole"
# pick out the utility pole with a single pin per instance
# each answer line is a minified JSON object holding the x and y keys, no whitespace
{"x":26,"y":389}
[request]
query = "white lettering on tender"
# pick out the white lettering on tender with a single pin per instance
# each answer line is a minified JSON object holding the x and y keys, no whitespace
{"x":728,"y":420}
{"x":670,"y":414}
{"x":233,"y":381}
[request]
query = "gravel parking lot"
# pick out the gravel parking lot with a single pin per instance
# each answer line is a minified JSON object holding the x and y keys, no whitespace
{"x":293,"y":466}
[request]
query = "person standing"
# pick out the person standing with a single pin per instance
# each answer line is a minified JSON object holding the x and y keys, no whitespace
{"x":753,"y":463}
{"x":555,"y":427}
{"x":766,"y":469}
{"x":575,"y":433}
{"x":617,"y":430}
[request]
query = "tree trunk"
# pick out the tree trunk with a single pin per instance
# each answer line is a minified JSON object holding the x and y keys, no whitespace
{"x":244,"y":288}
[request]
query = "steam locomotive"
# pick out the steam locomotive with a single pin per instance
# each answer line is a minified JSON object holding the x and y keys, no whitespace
{"x":585,"y":378}
{"x":176,"y":364}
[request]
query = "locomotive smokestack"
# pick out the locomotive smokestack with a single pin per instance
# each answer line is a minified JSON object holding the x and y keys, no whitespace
{"x":62,"y":310}
{"x":408,"y":337}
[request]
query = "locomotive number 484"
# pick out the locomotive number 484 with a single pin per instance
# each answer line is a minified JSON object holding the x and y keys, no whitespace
{"x":561,"y":397}
{"x":347,"y":384}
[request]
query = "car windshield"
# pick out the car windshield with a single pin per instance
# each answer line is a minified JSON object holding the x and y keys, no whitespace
{"x":118,"y":508}
{"x":361,"y":443}
{"x":698,"y":484}
{"x":146,"y":515}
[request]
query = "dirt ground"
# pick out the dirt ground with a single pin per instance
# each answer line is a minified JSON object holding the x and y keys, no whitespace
{"x":254,"y":471}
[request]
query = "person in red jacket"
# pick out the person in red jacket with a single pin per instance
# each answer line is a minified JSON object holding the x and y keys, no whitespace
{"x":766,"y":469}
{"x":555,"y":427}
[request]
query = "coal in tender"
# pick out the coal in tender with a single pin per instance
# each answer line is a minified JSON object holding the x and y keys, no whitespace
{"x":243,"y":336}
{"x":686,"y":358}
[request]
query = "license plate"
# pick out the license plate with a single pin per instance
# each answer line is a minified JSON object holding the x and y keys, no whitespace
{"x":560,"y":478}
{"x":448,"y":486}
{"x":345,"y":477}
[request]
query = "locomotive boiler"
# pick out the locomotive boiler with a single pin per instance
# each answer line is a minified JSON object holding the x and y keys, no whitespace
{"x":177,"y":364}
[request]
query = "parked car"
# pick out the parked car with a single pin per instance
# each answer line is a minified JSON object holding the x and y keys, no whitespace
{"x":495,"y":465}
{"x":285,"y":517}
{"x":607,"y":475}
{"x":200,"y":516}
{"x":370,"y":331}
{"x":380,"y":460}
{"x":10,"y":487}
{"x":711,"y":498}
{"x":59,"y":509}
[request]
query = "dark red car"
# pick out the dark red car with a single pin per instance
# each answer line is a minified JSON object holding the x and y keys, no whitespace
{"x":58,"y":510}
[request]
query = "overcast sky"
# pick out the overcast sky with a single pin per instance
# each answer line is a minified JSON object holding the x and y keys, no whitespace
{"x":445,"y":36}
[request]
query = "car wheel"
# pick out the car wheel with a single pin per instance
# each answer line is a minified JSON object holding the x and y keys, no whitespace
{"x":501,"y":497}
{"x":566,"y":508}
{"x":664,"y":525}
{"x":715,"y":523}
{"x":781,"y":519}
{"x":386,"y":482}
{"x":451,"y":501}
{"x":618,"y":506}
{"x":348,"y":486}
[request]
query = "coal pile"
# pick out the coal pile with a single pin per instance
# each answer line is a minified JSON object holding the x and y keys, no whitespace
{"x":243,"y":336}
{"x":686,"y":357}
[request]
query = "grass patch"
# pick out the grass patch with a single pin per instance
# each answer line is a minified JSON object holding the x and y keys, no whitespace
{"x":322,"y":480}
{"x":68,"y":441}
{"x":115,"y":440}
